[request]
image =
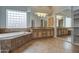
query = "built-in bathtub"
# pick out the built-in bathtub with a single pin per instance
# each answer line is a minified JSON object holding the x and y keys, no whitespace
{"x":11,"y":41}
{"x":12,"y":35}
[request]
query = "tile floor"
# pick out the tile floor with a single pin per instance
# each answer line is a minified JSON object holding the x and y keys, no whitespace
{"x":50,"y":45}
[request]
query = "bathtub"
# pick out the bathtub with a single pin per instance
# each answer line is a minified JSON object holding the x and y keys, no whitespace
{"x":14,"y":40}
{"x":12,"y":35}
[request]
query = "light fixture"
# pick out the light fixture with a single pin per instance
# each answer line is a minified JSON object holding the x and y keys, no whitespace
{"x":59,"y":17}
{"x":41,"y":14}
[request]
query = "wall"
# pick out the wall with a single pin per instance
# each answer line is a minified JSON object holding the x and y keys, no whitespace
{"x":0,"y":16}
{"x":75,"y":7}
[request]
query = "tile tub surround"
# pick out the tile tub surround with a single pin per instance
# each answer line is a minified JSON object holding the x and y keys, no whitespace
{"x":8,"y":30}
{"x":11,"y":41}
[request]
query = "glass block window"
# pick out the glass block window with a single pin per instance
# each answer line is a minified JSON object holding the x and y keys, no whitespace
{"x":16,"y":19}
{"x":68,"y":22}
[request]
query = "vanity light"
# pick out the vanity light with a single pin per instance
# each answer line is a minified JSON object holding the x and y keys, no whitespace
{"x":41,"y":14}
{"x":59,"y":17}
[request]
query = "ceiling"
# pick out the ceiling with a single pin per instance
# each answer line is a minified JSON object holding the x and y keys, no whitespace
{"x":64,"y":10}
{"x":43,"y":9}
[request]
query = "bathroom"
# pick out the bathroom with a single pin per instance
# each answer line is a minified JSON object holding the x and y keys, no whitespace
{"x":20,"y":25}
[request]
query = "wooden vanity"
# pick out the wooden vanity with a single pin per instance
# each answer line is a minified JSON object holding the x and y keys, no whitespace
{"x":42,"y":32}
{"x":48,"y":32}
{"x":62,"y":32}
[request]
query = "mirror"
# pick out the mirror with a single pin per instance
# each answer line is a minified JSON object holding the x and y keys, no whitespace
{"x":64,"y":18}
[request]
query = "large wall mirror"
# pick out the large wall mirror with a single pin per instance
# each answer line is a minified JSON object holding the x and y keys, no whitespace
{"x":64,"y":18}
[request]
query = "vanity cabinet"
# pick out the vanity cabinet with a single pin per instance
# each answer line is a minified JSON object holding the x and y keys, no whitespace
{"x":62,"y":31}
{"x":42,"y":32}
